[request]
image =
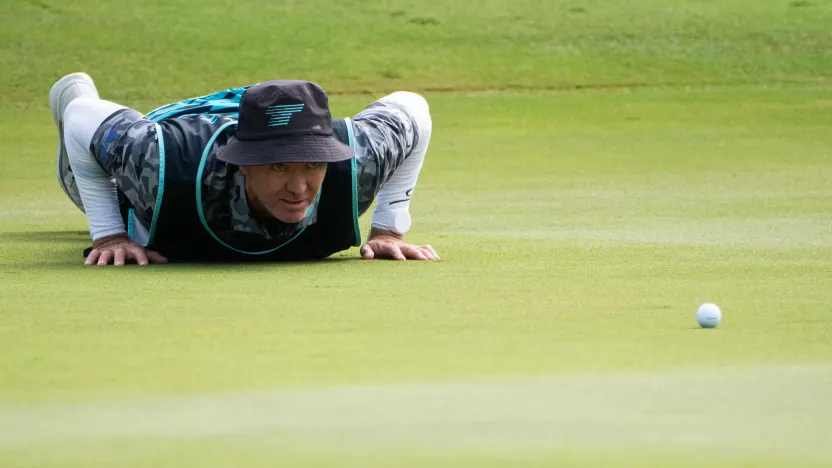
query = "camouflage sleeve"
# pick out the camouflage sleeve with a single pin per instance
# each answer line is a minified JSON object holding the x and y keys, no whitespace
{"x":127,"y":147}
{"x":385,"y":134}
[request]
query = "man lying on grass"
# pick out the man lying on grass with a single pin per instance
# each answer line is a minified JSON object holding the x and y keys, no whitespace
{"x":253,"y":173}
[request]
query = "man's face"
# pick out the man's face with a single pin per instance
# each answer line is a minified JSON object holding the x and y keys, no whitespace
{"x":285,"y":190}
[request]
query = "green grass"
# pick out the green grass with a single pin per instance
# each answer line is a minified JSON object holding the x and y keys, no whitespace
{"x":578,"y":228}
{"x":157,"y":49}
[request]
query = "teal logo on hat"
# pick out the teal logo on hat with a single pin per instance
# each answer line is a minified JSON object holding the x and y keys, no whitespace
{"x":279,"y":116}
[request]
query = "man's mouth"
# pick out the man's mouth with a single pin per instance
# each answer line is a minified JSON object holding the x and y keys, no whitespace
{"x":293,"y":203}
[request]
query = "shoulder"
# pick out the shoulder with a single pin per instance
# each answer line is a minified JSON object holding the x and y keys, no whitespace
{"x":398,"y":107}
{"x":193,"y":129}
{"x":203,"y":123}
{"x":414,"y":103}
{"x":187,"y":136}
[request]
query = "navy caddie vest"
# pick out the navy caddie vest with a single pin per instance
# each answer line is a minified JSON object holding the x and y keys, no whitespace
{"x":180,"y":232}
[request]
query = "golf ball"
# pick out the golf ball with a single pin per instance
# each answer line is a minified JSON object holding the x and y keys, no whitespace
{"x":708,"y":315}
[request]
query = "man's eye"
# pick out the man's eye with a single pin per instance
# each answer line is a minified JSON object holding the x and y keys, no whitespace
{"x":314,"y":165}
{"x":278,"y":167}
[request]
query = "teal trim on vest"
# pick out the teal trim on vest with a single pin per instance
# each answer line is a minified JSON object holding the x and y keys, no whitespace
{"x":357,"y":229}
{"x":161,"y":191}
{"x":130,"y":221}
{"x":199,"y":211}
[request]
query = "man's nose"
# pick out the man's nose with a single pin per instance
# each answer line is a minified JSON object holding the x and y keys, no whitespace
{"x":296,"y":185}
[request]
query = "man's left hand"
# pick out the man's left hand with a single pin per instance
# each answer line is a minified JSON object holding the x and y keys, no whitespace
{"x":389,"y":245}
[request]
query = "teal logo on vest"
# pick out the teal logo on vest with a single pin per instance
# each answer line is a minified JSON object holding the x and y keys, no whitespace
{"x":280,"y":115}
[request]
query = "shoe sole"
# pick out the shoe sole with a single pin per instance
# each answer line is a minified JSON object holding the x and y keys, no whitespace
{"x":57,"y":106}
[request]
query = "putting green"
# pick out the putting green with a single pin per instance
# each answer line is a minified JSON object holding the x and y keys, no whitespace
{"x":578,"y":229}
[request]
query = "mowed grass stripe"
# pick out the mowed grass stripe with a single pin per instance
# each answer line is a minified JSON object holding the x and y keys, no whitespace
{"x":768,"y":411}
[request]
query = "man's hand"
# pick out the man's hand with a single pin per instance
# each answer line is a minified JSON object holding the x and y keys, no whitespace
{"x":118,"y":249}
{"x":389,"y":245}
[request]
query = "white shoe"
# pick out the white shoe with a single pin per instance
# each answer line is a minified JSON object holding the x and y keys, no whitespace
{"x":62,"y":93}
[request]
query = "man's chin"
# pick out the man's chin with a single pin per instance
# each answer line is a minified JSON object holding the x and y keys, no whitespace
{"x":290,"y":216}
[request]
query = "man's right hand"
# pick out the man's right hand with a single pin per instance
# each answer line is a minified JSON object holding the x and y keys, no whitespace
{"x":118,"y":249}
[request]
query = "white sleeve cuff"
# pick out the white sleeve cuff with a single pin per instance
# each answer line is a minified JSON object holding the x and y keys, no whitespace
{"x":397,"y":221}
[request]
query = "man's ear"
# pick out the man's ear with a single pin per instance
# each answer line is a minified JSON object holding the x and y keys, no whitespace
{"x":244,"y":170}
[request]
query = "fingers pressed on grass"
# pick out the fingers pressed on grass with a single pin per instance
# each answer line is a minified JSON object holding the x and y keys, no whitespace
{"x":140,"y":256}
{"x":92,"y":258}
{"x":156,"y":257}
{"x":394,"y":252}
{"x":417,"y":254}
{"x":411,"y":252}
{"x":424,"y":253}
{"x":427,"y":253}
{"x":119,"y":256}
{"x":105,"y":257}
{"x":367,"y":252}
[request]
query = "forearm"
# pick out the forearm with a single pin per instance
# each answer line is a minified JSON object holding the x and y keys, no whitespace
{"x":392,"y":211}
{"x":98,"y":192}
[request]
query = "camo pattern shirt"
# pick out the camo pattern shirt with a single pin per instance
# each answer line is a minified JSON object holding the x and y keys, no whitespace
{"x":126,"y":145}
{"x":385,"y":134}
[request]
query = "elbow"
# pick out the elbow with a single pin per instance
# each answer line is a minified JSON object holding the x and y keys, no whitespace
{"x":418,"y":108}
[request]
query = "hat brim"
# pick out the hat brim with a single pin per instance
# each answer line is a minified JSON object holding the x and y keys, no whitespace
{"x":288,"y":149}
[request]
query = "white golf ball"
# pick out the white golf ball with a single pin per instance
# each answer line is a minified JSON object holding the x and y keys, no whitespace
{"x":708,"y":315}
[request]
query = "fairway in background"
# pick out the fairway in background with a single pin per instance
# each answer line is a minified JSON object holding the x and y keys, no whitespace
{"x":163,"y":51}
{"x":579,"y":229}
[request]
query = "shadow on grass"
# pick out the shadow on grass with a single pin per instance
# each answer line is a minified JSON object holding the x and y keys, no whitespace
{"x":62,"y":262}
{"x":256,"y":265}
{"x":67,"y":249}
